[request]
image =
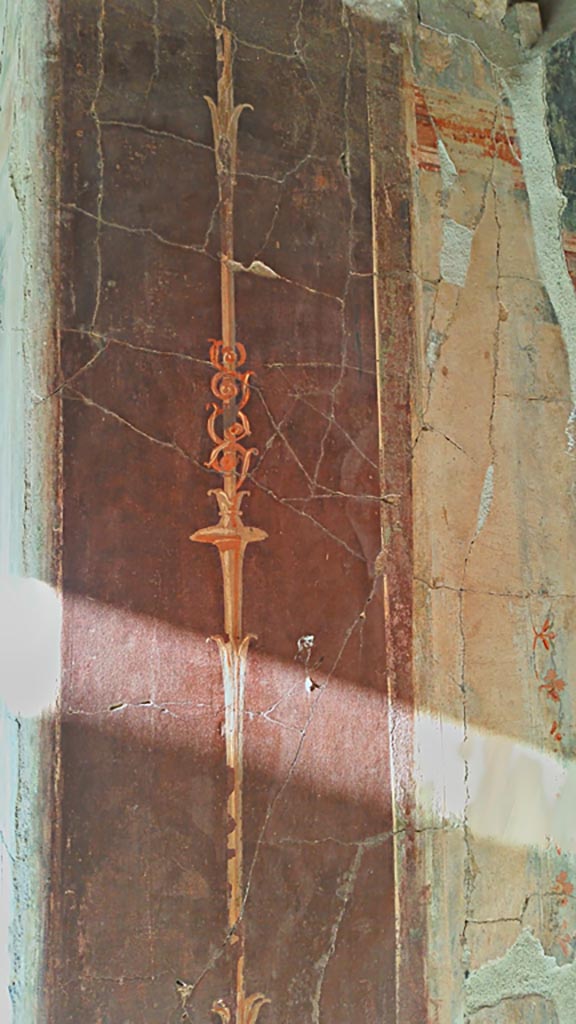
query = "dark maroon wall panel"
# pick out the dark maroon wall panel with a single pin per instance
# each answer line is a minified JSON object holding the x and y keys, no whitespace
{"x":140,"y":932}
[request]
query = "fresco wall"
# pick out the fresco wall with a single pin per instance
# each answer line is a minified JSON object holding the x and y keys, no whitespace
{"x":328,"y":775}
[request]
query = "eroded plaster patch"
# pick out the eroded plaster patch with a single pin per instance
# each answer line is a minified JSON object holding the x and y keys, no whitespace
{"x":448,"y":171}
{"x":524,"y":970}
{"x":379,"y":9}
{"x":433,"y":344}
{"x":486,"y":498}
{"x":456,"y":250}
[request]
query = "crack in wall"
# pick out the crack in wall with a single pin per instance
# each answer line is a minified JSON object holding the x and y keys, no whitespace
{"x":73,"y":394}
{"x":154,"y":132}
{"x":344,"y":894}
{"x":100,"y":30}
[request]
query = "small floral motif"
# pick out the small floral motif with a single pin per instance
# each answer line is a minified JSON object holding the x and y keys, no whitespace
{"x":544,"y":635}
{"x":553,"y":685}
{"x":555,"y":731}
{"x":563,"y":887}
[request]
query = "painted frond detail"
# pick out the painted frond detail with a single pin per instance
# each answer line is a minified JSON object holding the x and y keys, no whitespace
{"x":222,"y":1011}
{"x":232,"y":389}
{"x":253,"y":1006}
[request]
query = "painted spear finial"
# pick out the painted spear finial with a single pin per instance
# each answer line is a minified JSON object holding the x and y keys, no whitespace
{"x":228,"y":427}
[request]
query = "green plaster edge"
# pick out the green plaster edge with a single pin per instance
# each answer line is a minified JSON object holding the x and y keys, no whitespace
{"x":30,"y":478}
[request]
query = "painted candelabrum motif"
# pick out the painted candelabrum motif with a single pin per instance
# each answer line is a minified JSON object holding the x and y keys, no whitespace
{"x":228,"y":427}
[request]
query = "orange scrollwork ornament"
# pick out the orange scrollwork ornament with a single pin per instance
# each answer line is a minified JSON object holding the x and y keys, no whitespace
{"x":232,"y":389}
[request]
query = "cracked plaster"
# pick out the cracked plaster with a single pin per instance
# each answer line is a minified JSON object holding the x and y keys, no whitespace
{"x":489,"y":880}
{"x":487,"y":573}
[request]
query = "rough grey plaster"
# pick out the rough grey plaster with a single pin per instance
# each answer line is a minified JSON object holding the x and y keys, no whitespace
{"x":456,"y":250}
{"x":526,"y":92}
{"x":560,"y":92}
{"x":27,"y":485}
{"x":524,"y":970}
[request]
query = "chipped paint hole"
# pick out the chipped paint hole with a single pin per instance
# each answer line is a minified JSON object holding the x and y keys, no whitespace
{"x":305,"y":643}
{"x":310,"y":685}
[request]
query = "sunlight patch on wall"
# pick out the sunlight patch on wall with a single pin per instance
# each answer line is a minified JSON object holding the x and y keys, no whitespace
{"x":507,"y":791}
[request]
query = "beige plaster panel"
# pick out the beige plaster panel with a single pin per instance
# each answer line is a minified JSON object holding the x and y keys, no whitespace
{"x":495,"y":560}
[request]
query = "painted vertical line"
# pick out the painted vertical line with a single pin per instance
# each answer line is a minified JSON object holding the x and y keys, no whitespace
{"x":371,"y":63}
{"x":391,"y":191}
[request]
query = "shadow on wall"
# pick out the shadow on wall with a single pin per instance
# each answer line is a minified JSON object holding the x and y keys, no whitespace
{"x":144,"y":808}
{"x":558,"y":19}
{"x":179,"y":666}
